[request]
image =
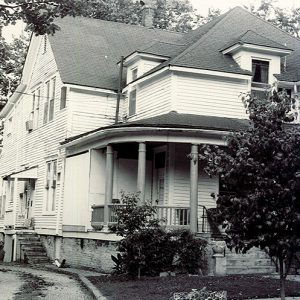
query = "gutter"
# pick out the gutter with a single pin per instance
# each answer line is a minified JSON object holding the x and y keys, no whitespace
{"x":105,"y":132}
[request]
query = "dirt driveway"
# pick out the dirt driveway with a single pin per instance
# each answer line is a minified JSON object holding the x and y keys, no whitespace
{"x":18,"y":283}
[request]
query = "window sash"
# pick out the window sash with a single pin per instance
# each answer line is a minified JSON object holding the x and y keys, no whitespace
{"x":63,"y":97}
{"x":134,"y":73}
{"x":51,"y":175}
{"x":46,"y":105}
{"x":260,"y":71}
{"x":132,"y":103}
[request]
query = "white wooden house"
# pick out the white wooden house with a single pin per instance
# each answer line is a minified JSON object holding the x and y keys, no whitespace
{"x":65,"y":160}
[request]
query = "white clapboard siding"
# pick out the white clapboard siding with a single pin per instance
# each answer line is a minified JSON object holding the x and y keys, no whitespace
{"x":22,"y":148}
{"x":153,"y":97}
{"x":90,"y":110}
{"x":209,"y":96}
{"x":206,"y":185}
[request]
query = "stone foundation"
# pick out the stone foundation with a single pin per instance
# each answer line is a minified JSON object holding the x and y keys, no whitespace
{"x":81,"y":253}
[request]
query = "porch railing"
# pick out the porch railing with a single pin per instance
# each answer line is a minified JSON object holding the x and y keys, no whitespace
{"x":170,"y":216}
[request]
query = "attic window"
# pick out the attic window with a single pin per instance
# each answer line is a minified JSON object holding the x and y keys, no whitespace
{"x":45,"y":44}
{"x":260,"y":70}
{"x":134,"y":74}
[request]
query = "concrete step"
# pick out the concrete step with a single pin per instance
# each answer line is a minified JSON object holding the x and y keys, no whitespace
{"x":37,"y":260}
{"x":32,"y":248}
{"x":31,"y":243}
{"x":248,"y":262}
{"x":250,"y":270}
{"x":36,"y":253}
{"x":28,"y":238}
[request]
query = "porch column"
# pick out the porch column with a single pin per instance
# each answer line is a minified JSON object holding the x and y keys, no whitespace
{"x":108,"y":181}
{"x":141,"y":176}
{"x":194,"y":189}
{"x":15,"y":196}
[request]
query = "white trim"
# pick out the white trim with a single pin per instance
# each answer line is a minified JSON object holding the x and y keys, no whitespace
{"x":93,"y":89}
{"x":246,"y":46}
{"x":13,"y":100}
{"x":147,"y":77}
{"x":140,"y":54}
{"x":209,"y":72}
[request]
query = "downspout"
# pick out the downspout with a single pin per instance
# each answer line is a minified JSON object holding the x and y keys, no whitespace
{"x":119,"y":90}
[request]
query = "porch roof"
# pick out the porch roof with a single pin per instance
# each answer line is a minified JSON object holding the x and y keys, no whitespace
{"x":176,"y":120}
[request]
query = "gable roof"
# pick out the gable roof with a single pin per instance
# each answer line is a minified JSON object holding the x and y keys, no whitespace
{"x":92,"y":48}
{"x":87,"y":50}
{"x":250,"y":37}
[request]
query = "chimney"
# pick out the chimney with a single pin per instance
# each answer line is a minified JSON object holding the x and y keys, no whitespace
{"x":148,"y":12}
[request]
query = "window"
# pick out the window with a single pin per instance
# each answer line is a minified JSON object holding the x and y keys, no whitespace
{"x":260,"y":70}
{"x":49,"y":102}
{"x":132,"y":103}
{"x":3,"y":200}
{"x":11,"y":190}
{"x":35,"y":107}
{"x":134,"y":74}
{"x":45,"y":44}
{"x":63,"y":97}
{"x":9,"y":124}
{"x":50,"y":186}
{"x":2,"y":205}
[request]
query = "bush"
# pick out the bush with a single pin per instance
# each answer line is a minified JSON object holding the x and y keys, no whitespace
{"x":133,"y":217}
{"x":190,"y":252}
{"x":147,"y":248}
{"x":147,"y":252}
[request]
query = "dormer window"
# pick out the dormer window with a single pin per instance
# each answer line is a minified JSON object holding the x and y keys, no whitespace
{"x":260,"y":70}
{"x":134,"y":74}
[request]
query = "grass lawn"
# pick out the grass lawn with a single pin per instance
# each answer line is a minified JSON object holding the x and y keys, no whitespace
{"x":237,"y":286}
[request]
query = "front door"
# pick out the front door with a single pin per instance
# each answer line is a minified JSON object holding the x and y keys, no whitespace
{"x":29,"y":197}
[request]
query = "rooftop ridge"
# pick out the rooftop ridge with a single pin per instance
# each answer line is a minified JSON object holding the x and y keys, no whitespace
{"x":127,"y":24}
{"x":195,"y":44}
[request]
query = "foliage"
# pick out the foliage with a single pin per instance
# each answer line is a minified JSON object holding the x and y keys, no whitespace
{"x":40,"y":15}
{"x":286,"y":19}
{"x":261,"y":168}
{"x":147,"y":252}
{"x":133,"y":217}
{"x":202,"y":294}
{"x":147,"y":248}
{"x":189,"y":252}
{"x":12,"y":58}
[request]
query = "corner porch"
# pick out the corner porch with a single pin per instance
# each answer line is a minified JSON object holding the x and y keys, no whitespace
{"x":167,"y":175}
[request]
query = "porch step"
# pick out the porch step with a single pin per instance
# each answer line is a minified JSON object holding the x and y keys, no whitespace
{"x":32,"y":249}
{"x":255,"y":261}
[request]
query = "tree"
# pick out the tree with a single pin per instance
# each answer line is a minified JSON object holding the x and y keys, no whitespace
{"x":260,"y":169}
{"x":12,"y":58}
{"x":40,"y":15}
{"x":286,"y":19}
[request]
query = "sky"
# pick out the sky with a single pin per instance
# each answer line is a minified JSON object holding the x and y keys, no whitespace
{"x":201,"y":5}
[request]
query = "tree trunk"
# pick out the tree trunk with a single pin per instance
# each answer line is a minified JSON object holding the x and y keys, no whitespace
{"x":282,"y":279}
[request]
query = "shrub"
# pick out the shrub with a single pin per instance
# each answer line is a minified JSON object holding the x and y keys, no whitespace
{"x":147,"y":248}
{"x":190,"y":252}
{"x":133,"y":217}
